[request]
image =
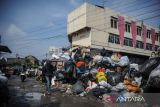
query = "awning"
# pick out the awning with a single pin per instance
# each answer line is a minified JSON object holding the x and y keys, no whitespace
{"x":4,"y":49}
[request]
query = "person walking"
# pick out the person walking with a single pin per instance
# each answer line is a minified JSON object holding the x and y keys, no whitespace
{"x":48,"y":72}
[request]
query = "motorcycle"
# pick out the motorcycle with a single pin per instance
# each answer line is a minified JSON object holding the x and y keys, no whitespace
{"x":23,"y":76}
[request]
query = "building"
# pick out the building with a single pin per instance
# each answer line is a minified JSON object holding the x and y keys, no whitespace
{"x":97,"y":27}
{"x":54,"y":50}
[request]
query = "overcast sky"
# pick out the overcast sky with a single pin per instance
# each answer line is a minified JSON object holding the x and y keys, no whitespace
{"x":25,"y":23}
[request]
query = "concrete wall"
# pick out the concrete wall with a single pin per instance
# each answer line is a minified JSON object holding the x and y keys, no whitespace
{"x":82,"y":38}
{"x":76,"y":19}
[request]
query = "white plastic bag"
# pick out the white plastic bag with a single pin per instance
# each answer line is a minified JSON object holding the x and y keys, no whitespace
{"x":97,"y":58}
{"x":138,"y":80}
{"x":134,"y":66}
{"x":105,"y":84}
{"x":124,"y":61}
{"x":53,"y":81}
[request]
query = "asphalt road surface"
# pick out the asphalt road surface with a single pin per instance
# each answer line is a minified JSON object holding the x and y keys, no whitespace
{"x":31,"y":94}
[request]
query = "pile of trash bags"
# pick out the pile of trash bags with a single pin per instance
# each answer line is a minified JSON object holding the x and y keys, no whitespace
{"x":106,"y":77}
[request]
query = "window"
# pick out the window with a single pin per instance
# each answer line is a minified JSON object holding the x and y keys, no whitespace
{"x":139,"y":29}
{"x":128,"y":42}
{"x":114,"y":38}
{"x":111,"y":38}
{"x":128,"y":27}
{"x":156,"y":47}
{"x":156,"y":37}
{"x":117,"y":41}
{"x":139,"y":44}
{"x":148,"y":34}
{"x":113,"y":22}
{"x":148,"y":46}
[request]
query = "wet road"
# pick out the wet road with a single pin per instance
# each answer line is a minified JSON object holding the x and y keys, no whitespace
{"x":31,"y":94}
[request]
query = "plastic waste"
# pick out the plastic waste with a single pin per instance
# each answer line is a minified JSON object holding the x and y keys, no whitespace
{"x":93,"y":71}
{"x":105,"y":84}
{"x":101,"y":76}
{"x":135,"y":66}
{"x":124,"y":61}
{"x":97,"y":58}
{"x":133,"y":73}
{"x":78,"y":87}
{"x":59,"y":76}
{"x":113,"y":78}
{"x":138,"y":80}
{"x":69,"y":91}
{"x":147,"y":68}
{"x":154,"y":78}
{"x":53,"y":81}
{"x":131,"y":86}
{"x":116,"y":57}
{"x":107,"y":60}
{"x":119,"y":87}
{"x":97,"y":92}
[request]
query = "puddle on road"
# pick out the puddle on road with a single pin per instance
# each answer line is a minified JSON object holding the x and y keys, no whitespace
{"x":33,"y":96}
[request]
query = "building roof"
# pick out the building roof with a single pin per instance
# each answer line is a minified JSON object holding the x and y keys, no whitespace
{"x":4,"y":49}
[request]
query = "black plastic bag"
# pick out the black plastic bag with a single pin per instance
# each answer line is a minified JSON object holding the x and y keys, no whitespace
{"x":78,"y":87}
{"x":154,"y":78}
{"x":113,"y":78}
{"x":59,"y":76}
{"x":147,"y":68}
{"x":99,"y":92}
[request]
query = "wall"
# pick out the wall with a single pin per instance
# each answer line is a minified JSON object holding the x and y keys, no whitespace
{"x":76,"y":19}
{"x":82,"y":38}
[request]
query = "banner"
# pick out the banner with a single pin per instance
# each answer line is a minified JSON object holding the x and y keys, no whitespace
{"x":121,"y":28}
{"x":153,"y":38}
{"x":144,"y":36}
{"x":134,"y":33}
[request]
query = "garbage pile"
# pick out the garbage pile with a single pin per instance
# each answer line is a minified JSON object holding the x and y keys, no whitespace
{"x":105,"y":77}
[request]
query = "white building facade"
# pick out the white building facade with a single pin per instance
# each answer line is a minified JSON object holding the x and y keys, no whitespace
{"x":54,"y":50}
